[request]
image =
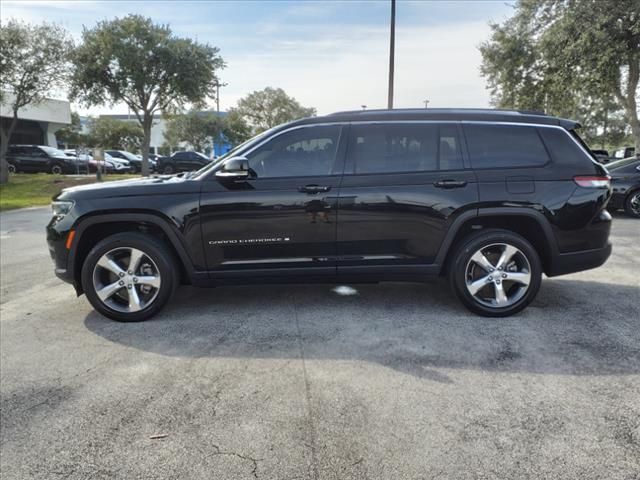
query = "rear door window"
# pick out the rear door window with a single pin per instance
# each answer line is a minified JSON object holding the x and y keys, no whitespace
{"x":504,"y":146}
{"x":398,"y":148}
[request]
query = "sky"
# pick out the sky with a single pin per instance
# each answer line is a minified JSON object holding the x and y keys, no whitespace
{"x":331,"y":55}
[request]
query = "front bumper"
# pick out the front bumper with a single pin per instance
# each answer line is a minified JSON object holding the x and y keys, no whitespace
{"x":565,"y":263}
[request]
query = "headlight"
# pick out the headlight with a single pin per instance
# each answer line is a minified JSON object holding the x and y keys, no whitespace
{"x":61,"y":208}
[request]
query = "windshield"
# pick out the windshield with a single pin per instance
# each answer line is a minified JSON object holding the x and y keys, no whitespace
{"x":232,"y":152}
{"x":54,"y":152}
{"x":130,"y":156}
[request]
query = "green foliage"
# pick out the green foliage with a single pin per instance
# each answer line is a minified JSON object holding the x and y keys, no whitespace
{"x":577,"y":58}
{"x":267,"y":108}
{"x":33,"y":63}
{"x":115,"y":134}
{"x":134,"y":61}
{"x":71,"y":135}
{"x":198,"y":129}
{"x":235,"y":128}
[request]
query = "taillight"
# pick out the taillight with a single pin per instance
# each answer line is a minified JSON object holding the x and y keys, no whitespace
{"x":593,"y":182}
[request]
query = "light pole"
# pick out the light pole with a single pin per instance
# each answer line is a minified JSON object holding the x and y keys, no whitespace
{"x":218,"y":85}
{"x":364,"y":107}
{"x":392,"y":47}
{"x":426,"y":104}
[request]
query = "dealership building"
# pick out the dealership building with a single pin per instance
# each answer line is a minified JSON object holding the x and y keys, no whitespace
{"x":37,"y":124}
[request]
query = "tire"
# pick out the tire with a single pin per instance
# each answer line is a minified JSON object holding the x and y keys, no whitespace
{"x":12,"y":168}
{"x":56,"y":169}
{"x":155,"y":261}
{"x":509,"y":287}
{"x":632,"y":204}
{"x":168,"y":169}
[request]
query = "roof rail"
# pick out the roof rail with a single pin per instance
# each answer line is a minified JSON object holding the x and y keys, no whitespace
{"x":440,"y":110}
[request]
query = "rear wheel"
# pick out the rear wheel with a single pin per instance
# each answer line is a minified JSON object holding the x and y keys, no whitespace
{"x":632,"y":204}
{"x":168,"y":169}
{"x":129,"y":276}
{"x":496,"y":273}
{"x":12,"y":168}
{"x":56,"y":169}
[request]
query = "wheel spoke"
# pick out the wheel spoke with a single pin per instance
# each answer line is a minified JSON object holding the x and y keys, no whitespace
{"x":501,"y":296}
{"x":134,"y":260}
{"x":153,"y":281}
{"x":108,"y":264}
{"x":477,"y":285}
{"x":106,"y":292}
{"x":483,"y":261}
{"x":523,"y":278}
{"x":134,"y":300}
{"x":507,"y":254}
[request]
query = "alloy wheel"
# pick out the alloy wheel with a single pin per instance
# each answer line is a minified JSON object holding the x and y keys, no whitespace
{"x":498,"y":275}
{"x":634,"y":203}
{"x":56,"y":169}
{"x":126,"y":280}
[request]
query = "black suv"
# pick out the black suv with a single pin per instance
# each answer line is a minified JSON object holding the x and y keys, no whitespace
{"x":182,"y":162}
{"x":40,"y":158}
{"x":492,"y":199}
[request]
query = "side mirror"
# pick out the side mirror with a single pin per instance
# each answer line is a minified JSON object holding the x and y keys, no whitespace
{"x":235,"y":168}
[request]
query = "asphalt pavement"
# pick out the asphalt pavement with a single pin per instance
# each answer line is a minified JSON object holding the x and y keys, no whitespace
{"x":388,"y":381}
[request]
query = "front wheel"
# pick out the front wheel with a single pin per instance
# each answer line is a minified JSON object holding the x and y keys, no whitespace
{"x":129,"y":276}
{"x":168,"y":169}
{"x":12,"y":168}
{"x":495,"y":273}
{"x":632,"y":204}
{"x":56,"y":169}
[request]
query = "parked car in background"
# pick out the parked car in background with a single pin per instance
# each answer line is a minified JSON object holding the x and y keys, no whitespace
{"x":601,"y":155}
{"x":625,"y":152}
{"x":625,"y":180}
{"x":491,"y":199}
{"x":135,"y":161}
{"x":41,"y":158}
{"x":119,"y":164}
{"x":182,"y":162}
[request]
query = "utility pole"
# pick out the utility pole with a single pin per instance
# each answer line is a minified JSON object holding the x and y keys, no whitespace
{"x":392,"y":47}
{"x":218,"y":85}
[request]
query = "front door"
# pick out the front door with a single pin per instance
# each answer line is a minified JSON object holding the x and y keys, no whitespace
{"x":404,"y":184}
{"x":283,"y":219}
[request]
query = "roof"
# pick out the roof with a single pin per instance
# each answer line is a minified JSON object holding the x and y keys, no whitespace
{"x":456,"y":114}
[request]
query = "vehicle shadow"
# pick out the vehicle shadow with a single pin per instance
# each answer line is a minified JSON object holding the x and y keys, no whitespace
{"x":574,"y":327}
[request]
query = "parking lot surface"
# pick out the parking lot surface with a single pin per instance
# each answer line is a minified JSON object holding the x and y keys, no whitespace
{"x":390,"y":381}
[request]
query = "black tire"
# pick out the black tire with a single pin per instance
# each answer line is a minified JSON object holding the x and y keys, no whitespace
{"x":56,"y":169}
{"x":155,"y":250}
{"x":168,"y":169}
{"x":475,"y":242}
{"x":12,"y":168}
{"x":632,"y":204}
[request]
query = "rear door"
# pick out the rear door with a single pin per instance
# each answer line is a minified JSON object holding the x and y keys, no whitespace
{"x":282,"y":221}
{"x":404,"y":184}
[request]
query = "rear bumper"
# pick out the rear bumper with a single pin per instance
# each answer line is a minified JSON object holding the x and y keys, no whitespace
{"x":565,"y":263}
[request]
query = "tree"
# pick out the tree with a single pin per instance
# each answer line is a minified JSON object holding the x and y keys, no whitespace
{"x":134,"y":61}
{"x":71,"y":134}
{"x":564,"y":56}
{"x":115,"y":134}
{"x":235,"y":128}
{"x":267,"y":108}
{"x":33,"y":63}
{"x":198,"y":129}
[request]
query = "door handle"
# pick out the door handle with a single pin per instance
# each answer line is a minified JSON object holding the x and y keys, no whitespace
{"x":314,"y":189}
{"x":450,"y":184}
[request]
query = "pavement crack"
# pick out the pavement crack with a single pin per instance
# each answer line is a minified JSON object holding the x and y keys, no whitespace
{"x":307,"y":387}
{"x":254,"y":461}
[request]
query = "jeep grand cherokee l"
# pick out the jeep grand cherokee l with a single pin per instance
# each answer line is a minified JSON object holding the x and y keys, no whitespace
{"x":491,"y":199}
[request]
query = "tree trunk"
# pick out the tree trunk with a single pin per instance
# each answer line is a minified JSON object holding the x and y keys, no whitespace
{"x":146,"y":128}
{"x":5,"y":138}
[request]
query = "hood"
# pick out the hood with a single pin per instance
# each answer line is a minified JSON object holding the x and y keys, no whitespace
{"x":160,"y":185}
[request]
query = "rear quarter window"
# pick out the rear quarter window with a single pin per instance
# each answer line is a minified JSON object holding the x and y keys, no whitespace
{"x":563,"y":149}
{"x":504,"y":146}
